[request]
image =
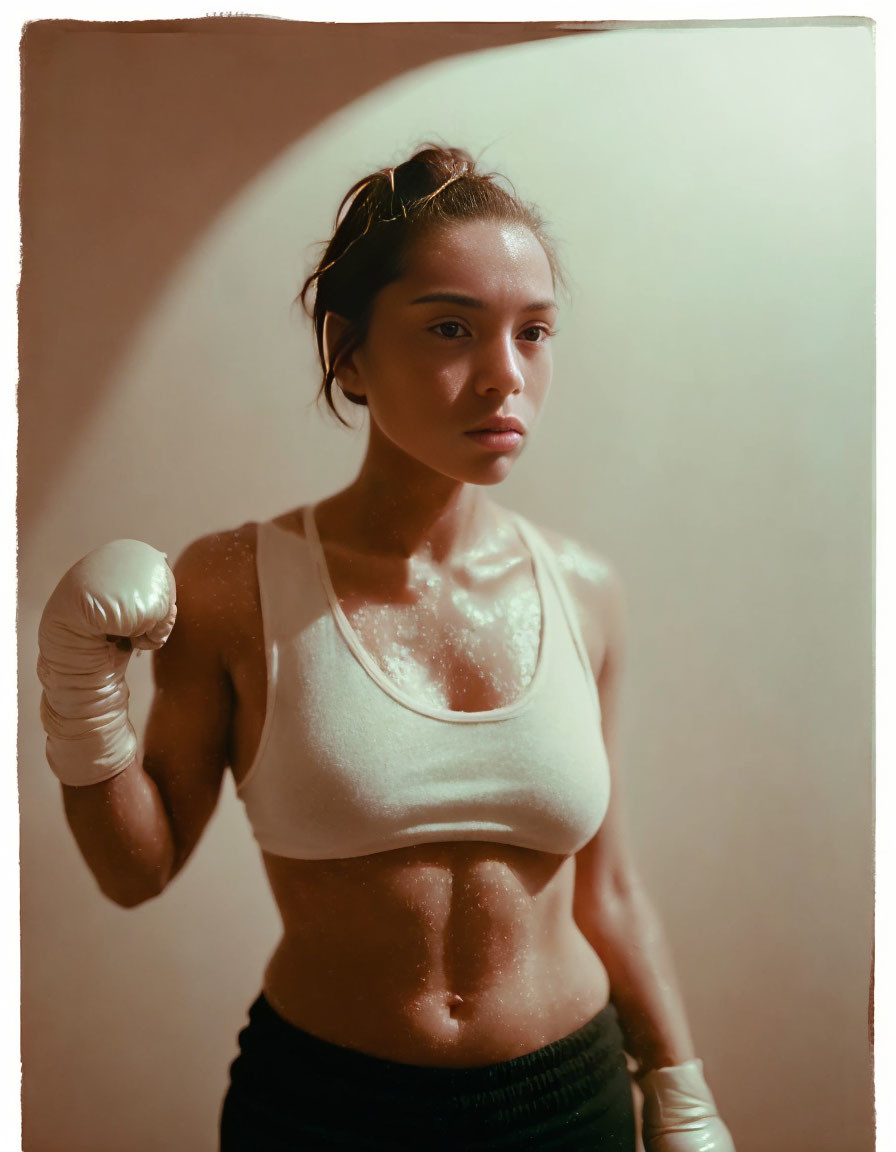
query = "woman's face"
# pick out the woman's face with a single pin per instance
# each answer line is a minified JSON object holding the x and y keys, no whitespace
{"x":457,"y":360}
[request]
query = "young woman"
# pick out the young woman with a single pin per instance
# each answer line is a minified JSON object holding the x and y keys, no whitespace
{"x":416,"y":691}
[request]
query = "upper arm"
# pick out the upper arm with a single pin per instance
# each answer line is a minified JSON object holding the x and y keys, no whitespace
{"x":187,"y":736}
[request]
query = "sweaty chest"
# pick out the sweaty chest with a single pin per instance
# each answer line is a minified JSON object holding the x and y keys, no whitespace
{"x":462,"y":644}
{"x":401,"y":719}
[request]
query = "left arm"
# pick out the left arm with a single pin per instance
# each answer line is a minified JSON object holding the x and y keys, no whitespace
{"x":616,"y":916}
{"x":611,"y":907}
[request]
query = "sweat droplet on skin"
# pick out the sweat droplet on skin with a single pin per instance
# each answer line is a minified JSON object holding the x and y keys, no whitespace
{"x":574,"y":559}
{"x":453,"y":639}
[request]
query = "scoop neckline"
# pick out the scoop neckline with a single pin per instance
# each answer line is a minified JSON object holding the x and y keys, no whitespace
{"x":376,"y":673}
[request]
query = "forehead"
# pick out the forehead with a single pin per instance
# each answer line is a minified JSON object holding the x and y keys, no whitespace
{"x":479,"y":256}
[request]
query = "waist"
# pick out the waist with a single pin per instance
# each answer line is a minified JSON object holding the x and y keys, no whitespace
{"x":571,"y":1093}
{"x":440,"y":1014}
{"x":596,"y":1041}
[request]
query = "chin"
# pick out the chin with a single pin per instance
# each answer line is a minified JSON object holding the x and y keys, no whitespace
{"x":491,"y":473}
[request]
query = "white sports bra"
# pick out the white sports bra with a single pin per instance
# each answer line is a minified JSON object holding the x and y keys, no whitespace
{"x":349,"y":765}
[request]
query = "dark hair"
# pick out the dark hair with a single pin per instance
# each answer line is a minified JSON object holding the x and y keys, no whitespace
{"x":377,"y":221}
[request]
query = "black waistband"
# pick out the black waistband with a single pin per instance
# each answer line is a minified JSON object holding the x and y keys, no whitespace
{"x":586,"y":1051}
{"x":287,"y":1084}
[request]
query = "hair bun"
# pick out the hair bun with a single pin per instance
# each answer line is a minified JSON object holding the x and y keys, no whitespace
{"x":445,"y":161}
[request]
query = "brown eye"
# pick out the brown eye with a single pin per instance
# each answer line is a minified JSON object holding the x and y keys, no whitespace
{"x":449,"y":329}
{"x":535,"y":334}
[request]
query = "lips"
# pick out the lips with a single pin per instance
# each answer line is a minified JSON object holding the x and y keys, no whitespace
{"x":501,"y":424}
{"x":498,"y":433}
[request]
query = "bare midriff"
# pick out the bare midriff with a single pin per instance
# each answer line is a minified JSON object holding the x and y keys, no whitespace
{"x":443,"y":954}
{"x":446,"y":954}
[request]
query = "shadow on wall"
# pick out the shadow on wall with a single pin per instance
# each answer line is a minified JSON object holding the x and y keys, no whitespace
{"x":134,"y":136}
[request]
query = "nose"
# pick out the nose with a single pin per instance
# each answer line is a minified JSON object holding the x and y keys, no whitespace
{"x":499,"y":369}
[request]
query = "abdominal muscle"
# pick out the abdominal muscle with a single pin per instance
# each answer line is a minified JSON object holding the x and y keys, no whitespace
{"x":449,"y":954}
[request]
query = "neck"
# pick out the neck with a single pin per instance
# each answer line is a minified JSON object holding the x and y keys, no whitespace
{"x":401,"y":508}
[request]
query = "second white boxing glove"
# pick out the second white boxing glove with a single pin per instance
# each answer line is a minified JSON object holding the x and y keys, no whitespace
{"x":124,"y":589}
{"x":680,"y":1113}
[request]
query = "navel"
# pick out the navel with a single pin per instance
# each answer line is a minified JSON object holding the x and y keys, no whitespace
{"x":454,"y":1003}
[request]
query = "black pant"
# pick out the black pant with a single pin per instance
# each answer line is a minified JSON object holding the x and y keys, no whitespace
{"x":293,"y":1092}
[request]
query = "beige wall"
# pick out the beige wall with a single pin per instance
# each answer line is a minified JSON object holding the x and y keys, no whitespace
{"x":710,"y":431}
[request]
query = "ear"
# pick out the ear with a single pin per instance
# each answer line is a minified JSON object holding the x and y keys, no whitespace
{"x":346,"y":375}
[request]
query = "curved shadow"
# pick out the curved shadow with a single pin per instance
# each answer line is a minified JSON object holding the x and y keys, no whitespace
{"x":134,"y":137}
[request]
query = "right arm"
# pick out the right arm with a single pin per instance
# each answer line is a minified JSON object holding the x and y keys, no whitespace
{"x":136,"y":830}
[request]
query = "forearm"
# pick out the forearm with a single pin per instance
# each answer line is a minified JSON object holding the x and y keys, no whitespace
{"x":124,"y":834}
{"x":117,"y":598}
{"x":625,"y":931}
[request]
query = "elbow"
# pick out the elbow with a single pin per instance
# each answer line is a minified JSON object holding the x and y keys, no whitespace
{"x":129,"y":899}
{"x":612,"y":908}
{"x":132,"y":891}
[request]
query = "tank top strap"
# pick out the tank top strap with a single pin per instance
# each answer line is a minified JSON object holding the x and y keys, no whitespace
{"x":545,"y":553}
{"x":287,"y":588}
{"x":286,"y":577}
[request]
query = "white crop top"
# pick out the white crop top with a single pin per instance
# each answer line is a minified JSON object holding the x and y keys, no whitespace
{"x":349,"y":765}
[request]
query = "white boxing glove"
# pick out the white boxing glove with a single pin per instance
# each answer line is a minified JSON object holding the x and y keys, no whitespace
{"x":680,"y":1114}
{"x":124,"y":589}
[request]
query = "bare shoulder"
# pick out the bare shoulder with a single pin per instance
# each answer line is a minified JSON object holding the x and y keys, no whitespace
{"x":218,"y":568}
{"x":217,"y":594}
{"x":597,"y":593}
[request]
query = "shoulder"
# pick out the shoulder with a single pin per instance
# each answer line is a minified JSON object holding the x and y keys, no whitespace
{"x":217,"y":590}
{"x":597,"y":593}
{"x":218,"y":567}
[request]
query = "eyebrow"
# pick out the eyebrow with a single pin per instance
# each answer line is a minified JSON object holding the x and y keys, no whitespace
{"x":471,"y":301}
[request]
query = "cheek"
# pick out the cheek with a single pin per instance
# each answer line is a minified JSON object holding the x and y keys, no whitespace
{"x":428,"y":382}
{"x":542,"y":376}
{"x":413,"y":393}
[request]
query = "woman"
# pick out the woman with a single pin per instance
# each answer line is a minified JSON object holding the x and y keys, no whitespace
{"x":416,"y":692}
